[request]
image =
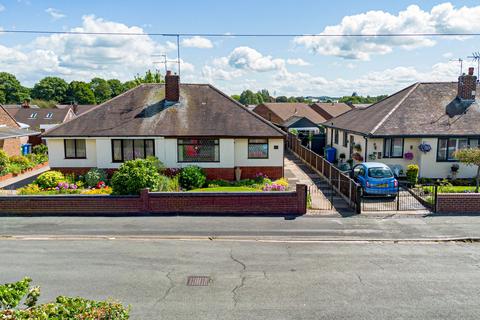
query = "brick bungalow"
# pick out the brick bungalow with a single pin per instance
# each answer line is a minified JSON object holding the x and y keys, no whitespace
{"x":180,"y":124}
{"x":423,"y":124}
{"x":12,"y":136}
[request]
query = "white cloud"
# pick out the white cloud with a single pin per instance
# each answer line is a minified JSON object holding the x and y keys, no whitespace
{"x":197,"y":42}
{"x":55,"y":13}
{"x":211,"y":73}
{"x":82,"y":57}
{"x":250,"y":59}
{"x":298,"y":62}
{"x":441,"y":18}
{"x":2,"y":7}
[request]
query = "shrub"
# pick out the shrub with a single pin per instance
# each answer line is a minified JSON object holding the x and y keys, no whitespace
{"x":192,"y":177}
{"x":3,"y":161}
{"x":135,"y":175}
{"x":63,"y":308}
{"x":14,"y":168}
{"x":157,"y":163}
{"x":412,"y":174}
{"x":281,"y":182}
{"x":29,"y":189}
{"x":49,"y":179}
{"x":94,"y":176}
{"x":23,"y":161}
{"x":40,"y":149}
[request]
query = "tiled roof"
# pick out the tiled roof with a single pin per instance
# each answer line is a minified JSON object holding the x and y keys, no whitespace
{"x":202,"y":111}
{"x":418,"y":110}
{"x":332,"y":109}
{"x":6,"y":132}
{"x":36,"y":117}
{"x":287,"y":110}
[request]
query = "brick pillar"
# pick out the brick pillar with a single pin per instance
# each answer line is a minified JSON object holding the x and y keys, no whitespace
{"x":145,"y":200}
{"x":301,"y":199}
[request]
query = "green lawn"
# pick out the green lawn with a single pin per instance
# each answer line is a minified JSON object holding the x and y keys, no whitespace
{"x":226,"y":189}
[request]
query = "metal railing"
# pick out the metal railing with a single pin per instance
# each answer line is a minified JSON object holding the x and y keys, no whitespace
{"x":343,"y":185}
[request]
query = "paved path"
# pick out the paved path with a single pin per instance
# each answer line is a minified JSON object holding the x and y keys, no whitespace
{"x":22,"y":180}
{"x":256,"y":280}
{"x":324,"y":199}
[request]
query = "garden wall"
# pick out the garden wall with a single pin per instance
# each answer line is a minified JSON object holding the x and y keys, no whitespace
{"x":458,"y":202}
{"x":290,"y":202}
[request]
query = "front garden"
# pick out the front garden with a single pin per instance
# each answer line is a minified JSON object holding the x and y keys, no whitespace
{"x":18,"y":164}
{"x":135,"y":175}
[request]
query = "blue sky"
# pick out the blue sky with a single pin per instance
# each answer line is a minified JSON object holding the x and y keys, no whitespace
{"x":285,"y":66}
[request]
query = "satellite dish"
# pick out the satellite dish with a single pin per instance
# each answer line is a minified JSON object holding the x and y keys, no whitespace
{"x":458,"y":107}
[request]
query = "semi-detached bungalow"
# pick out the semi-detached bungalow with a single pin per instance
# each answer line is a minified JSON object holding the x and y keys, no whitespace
{"x":423,"y":124}
{"x":180,"y":124}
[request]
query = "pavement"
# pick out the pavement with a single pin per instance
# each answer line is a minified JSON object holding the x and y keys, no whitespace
{"x":357,"y":228}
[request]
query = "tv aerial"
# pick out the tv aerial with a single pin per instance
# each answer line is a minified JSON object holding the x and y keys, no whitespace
{"x":460,"y":61}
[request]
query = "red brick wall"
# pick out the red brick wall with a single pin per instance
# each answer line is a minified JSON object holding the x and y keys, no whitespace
{"x":458,"y":202}
{"x":12,"y":146}
{"x":162,"y":203}
{"x":212,"y":173}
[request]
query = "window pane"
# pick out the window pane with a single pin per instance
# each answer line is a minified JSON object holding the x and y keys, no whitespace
{"x":127,"y":150}
{"x":198,"y":150}
{"x":81,"y":149}
{"x":397,"y":147}
{"x":442,"y":149}
{"x":452,"y":147}
{"x":117,"y":150}
{"x":462,"y":144}
{"x":257,"y":150}
{"x":149,"y":148}
{"x":386,"y":152}
{"x":474,"y":143}
{"x":139,"y":151}
{"x":70,"y":148}
{"x":257,"y":140}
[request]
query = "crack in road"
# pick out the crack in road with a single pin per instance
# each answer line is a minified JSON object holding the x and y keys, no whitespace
{"x":242,"y":280}
{"x":167,"y":291}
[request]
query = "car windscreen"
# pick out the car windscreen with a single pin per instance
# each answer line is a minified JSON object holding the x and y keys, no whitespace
{"x":380,"y":173}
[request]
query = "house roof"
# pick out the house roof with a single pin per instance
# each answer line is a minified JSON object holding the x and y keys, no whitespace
{"x":202,"y":110}
{"x":81,"y":108}
{"x":302,"y":121}
{"x":6,"y":132}
{"x":287,"y":110}
{"x":334,"y":109}
{"x":18,"y":106}
{"x":418,"y":110}
{"x":26,"y":115}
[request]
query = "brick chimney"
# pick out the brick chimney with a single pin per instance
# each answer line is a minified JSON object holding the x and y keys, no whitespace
{"x":26,"y":104}
{"x":467,"y":85}
{"x":172,"y":87}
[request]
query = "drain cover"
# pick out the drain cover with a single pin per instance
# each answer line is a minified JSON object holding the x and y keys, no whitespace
{"x":198,"y":281}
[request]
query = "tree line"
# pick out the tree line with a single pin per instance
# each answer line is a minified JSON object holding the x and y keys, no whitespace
{"x":52,"y":90}
{"x":248,"y":97}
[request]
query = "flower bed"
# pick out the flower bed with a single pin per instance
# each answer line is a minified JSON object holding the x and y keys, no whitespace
{"x":18,"y":164}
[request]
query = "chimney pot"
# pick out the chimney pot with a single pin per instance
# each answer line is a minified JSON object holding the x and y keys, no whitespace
{"x":172,"y":87}
{"x":467,"y":85}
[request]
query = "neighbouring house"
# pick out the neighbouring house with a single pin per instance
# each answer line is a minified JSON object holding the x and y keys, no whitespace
{"x":284,"y":115}
{"x":423,"y":124}
{"x":12,"y":135}
{"x":41,"y":119}
{"x":78,"y":109}
{"x":330,"y":110}
{"x":180,"y":124}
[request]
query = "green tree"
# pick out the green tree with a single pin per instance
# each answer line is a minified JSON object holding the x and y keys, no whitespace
{"x":248,"y":97}
{"x":80,"y":92}
{"x":235,"y":97}
{"x":116,"y":87}
{"x":470,"y":157}
{"x":149,"y":77}
{"x":281,"y":99}
{"x":50,"y":89}
{"x":129,"y":84}
{"x":101,"y":89}
{"x":265,"y":95}
{"x":11,"y":89}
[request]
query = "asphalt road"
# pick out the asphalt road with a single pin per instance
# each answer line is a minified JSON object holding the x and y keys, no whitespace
{"x":252,"y":280}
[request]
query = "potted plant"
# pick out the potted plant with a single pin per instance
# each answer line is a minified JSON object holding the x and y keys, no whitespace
{"x":425,"y":147}
{"x":408,"y":155}
{"x":357,"y":147}
{"x":350,"y":162}
{"x":357,"y":157}
{"x":372,"y":156}
{"x":454,"y":168}
{"x":342,"y":157}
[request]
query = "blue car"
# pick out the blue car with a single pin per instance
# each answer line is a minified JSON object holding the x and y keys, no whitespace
{"x":376,"y":179}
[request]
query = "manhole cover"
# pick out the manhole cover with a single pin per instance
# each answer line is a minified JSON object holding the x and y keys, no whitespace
{"x":198,"y":281}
